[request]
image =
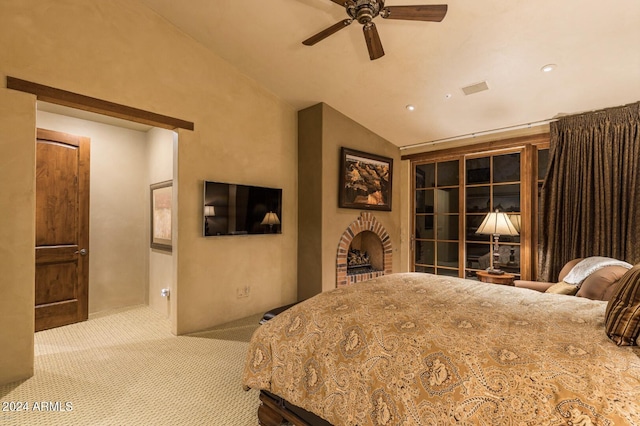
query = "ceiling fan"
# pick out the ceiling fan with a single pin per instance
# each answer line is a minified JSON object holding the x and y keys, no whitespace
{"x":364,"y":11}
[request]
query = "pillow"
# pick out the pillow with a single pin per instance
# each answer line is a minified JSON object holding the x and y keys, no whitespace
{"x":622,"y":317}
{"x":603,"y":283}
{"x":563,"y":288}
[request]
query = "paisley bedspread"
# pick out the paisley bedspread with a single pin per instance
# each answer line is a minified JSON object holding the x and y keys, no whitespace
{"x":419,"y":349}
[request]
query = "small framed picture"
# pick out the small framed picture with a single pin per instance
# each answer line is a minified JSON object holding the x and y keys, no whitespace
{"x":365,"y":181}
{"x":161,"y":203}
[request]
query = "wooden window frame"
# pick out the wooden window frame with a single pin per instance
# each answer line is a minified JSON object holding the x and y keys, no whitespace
{"x":528,"y":147}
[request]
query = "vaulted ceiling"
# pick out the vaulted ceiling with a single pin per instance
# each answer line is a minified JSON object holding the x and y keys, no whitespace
{"x":594,"y":45}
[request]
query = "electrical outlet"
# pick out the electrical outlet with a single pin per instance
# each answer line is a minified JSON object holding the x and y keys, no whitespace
{"x":243,"y":291}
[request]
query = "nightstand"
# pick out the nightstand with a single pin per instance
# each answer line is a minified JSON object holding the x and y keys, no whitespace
{"x":504,"y":279}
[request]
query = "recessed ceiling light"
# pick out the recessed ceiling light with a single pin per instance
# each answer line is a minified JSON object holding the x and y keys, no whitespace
{"x":548,"y":68}
{"x":448,"y":96}
{"x":410,"y":107}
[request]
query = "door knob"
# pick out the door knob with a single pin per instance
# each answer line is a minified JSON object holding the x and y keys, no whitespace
{"x":83,"y":252}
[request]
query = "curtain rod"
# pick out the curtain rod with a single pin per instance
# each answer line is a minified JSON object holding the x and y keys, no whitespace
{"x":516,"y":127}
{"x":482,"y":133}
{"x":602,"y":110}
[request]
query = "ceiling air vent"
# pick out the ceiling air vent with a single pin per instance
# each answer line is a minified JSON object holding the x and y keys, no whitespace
{"x":475,"y":88}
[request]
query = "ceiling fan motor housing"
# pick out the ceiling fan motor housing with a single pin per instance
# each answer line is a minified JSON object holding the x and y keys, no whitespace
{"x":364,"y":11}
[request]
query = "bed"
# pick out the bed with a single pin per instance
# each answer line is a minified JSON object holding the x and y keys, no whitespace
{"x":420,"y":349}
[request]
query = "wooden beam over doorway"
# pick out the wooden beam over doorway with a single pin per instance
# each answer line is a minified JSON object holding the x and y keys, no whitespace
{"x":99,"y":106}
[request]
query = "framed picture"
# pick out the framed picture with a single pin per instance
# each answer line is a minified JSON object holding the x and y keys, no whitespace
{"x":365,"y":180}
{"x":161,"y":203}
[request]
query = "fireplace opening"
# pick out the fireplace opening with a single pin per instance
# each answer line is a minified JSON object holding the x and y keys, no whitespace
{"x":366,"y":254}
{"x":365,"y":244}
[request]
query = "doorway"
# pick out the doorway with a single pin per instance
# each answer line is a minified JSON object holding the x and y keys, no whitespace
{"x":125,"y":159}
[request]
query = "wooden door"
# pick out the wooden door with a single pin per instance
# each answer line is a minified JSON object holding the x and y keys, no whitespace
{"x":62,"y":229}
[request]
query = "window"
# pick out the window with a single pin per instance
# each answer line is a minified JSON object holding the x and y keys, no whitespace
{"x":437,"y":217}
{"x":492,"y":183}
{"x":454,"y":190}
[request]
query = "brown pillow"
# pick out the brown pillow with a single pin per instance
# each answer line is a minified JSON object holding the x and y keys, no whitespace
{"x":601,"y":284}
{"x":622,"y":317}
{"x":563,"y":288}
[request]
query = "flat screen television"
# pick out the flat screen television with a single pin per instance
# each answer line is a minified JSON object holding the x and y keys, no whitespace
{"x":231,"y":209}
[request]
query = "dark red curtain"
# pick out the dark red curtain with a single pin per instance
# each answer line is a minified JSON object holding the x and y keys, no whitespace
{"x":591,"y":193}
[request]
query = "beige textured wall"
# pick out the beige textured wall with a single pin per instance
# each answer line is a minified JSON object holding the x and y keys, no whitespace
{"x":17,"y":233}
{"x":122,"y":52}
{"x":310,"y":201}
{"x":338,"y":130}
{"x":118,"y":212}
{"x":161,"y":263}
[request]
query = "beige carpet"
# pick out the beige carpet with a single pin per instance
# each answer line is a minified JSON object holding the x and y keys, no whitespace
{"x":126,"y":368}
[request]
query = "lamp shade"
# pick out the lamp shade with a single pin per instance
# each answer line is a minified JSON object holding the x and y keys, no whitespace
{"x":209,"y":211}
{"x":270,"y":219}
{"x":516,"y":220}
{"x":497,"y":223}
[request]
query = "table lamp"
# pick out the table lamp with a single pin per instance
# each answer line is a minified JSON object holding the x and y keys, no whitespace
{"x":496,"y":224}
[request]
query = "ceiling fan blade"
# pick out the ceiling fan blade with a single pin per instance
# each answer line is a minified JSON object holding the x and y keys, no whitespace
{"x":340,"y":2}
{"x":435,"y":12}
{"x":373,"y":41}
{"x":327,"y":32}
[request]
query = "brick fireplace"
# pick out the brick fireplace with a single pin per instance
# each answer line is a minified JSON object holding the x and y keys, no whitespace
{"x":364,"y":234}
